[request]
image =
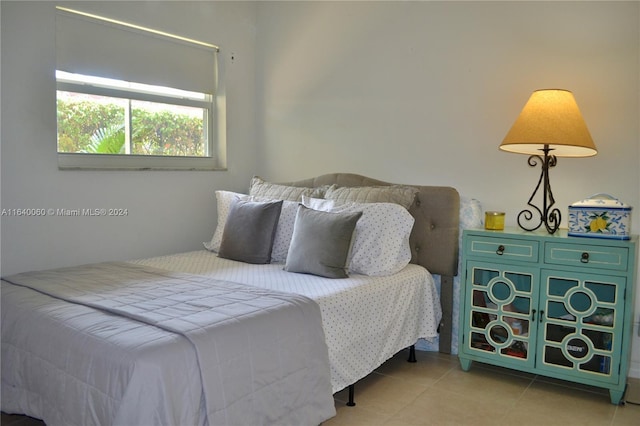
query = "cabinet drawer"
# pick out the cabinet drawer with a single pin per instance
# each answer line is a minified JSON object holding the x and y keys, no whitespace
{"x":502,"y":248}
{"x":587,"y":256}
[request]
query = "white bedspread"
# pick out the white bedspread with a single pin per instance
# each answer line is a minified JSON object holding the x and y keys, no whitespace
{"x":366,"y":320}
{"x":259,"y":357}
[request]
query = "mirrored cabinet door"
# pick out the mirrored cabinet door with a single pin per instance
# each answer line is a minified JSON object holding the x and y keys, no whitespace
{"x":582,"y":315}
{"x":503,"y":304}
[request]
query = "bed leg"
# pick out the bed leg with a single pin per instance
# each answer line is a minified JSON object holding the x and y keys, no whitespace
{"x":446,"y":325}
{"x":352,"y":389}
{"x":412,"y":354}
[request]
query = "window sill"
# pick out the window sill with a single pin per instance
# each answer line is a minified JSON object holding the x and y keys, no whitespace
{"x":69,"y":161}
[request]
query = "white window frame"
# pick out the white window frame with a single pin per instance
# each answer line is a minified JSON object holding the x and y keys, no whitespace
{"x":215,"y":129}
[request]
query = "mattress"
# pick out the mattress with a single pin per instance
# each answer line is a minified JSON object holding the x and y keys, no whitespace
{"x":93,"y":345}
{"x":366,"y":320}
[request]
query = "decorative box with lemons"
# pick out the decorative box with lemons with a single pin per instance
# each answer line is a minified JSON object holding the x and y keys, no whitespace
{"x":600,"y":216}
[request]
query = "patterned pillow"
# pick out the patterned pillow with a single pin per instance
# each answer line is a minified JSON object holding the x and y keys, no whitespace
{"x":398,"y":194}
{"x":381,"y":240}
{"x":223,"y":201}
{"x":471,"y":215}
{"x":284,"y":231}
{"x":260,"y":188}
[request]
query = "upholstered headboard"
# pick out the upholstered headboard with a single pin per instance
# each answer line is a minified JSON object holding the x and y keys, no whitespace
{"x":434,"y":239}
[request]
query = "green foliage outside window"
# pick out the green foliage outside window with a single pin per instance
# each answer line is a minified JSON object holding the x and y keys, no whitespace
{"x":91,"y":127}
{"x":79,"y":121}
{"x":166,"y":133}
{"x":107,"y":140}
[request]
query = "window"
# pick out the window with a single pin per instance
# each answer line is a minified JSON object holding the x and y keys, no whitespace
{"x":134,"y":98}
{"x":105,"y":116}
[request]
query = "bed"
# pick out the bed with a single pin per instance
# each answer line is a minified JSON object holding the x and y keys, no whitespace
{"x":109,"y":344}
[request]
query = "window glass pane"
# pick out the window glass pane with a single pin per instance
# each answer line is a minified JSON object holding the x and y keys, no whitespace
{"x":163,"y":129}
{"x":88,"y":123}
{"x":101,"y":125}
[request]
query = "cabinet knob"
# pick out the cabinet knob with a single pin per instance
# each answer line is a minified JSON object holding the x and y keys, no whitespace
{"x":500,"y":250}
{"x":585,"y":257}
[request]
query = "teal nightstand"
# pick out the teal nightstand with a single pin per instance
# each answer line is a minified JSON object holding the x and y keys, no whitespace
{"x":552,"y":305}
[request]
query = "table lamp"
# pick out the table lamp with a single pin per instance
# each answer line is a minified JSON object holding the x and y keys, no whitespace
{"x":549,"y":126}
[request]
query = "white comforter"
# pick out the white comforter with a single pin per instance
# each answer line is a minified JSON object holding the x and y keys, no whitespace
{"x":139,"y":346}
{"x":366,"y":320}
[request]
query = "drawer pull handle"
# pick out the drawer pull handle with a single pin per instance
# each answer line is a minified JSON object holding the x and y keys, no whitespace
{"x":585,"y":257}
{"x":500,"y":250}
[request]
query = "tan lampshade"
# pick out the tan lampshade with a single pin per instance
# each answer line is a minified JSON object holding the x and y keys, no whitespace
{"x":550,"y":117}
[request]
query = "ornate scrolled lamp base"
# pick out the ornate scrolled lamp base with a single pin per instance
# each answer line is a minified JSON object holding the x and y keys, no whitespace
{"x":548,"y":215}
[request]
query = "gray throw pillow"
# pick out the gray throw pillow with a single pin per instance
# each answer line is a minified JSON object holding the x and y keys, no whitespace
{"x":250,"y":230}
{"x":321,"y":242}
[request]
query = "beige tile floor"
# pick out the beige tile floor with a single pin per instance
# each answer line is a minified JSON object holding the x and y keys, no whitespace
{"x":435,"y":391}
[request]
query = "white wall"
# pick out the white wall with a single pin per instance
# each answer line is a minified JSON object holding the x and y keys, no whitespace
{"x":424,"y":92}
{"x":168,"y":211}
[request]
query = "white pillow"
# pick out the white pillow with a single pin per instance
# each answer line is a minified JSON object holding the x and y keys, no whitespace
{"x":318,"y":203}
{"x":381,"y":241}
{"x":223,"y":201}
